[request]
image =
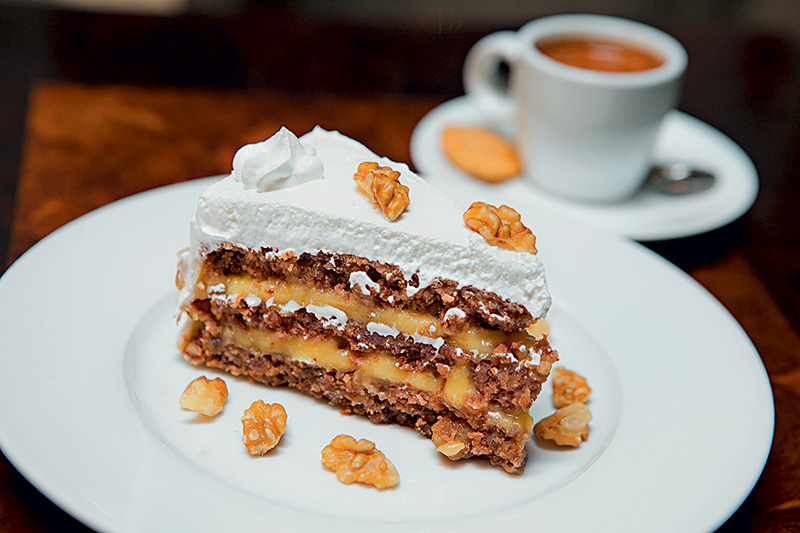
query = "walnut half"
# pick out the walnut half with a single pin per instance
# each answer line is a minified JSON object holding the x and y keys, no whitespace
{"x":569,"y":426}
{"x":500,"y":226}
{"x":263,"y":426}
{"x":568,"y":387}
{"x":359,"y":461}
{"x":383,"y":188}
{"x":205,"y":396}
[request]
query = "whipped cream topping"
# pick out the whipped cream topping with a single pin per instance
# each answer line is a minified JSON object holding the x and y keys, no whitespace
{"x":277,"y":163}
{"x":331,"y":215}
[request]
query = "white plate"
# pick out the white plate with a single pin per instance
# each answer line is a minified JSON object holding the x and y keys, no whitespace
{"x":647,"y":216}
{"x":91,"y":376}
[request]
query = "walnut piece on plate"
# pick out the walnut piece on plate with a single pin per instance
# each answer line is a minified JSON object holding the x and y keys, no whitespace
{"x":569,"y":426}
{"x":358,"y":461}
{"x":568,"y":387}
{"x":205,"y":396}
{"x":263,"y":426}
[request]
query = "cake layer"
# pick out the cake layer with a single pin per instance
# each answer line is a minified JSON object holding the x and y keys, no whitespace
{"x":373,"y":387}
{"x":339,"y":308}
{"x":367,"y":282}
{"x":509,"y":378}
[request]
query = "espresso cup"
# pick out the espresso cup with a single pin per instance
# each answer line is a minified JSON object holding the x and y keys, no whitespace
{"x":587,"y":95}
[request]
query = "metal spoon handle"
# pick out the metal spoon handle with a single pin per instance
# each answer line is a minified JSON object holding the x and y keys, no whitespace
{"x":680,"y":178}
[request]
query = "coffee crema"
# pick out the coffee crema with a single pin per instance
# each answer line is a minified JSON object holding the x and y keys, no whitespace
{"x":599,"y":54}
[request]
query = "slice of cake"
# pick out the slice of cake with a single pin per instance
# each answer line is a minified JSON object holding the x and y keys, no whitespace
{"x":318,"y":265}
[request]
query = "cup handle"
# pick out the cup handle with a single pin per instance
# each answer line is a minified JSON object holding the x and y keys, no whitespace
{"x":482,"y":82}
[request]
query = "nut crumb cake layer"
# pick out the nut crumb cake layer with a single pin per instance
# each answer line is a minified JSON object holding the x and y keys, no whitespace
{"x":450,"y":355}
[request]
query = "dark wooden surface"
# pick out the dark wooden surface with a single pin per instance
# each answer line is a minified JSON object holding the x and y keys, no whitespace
{"x":96,"y":107}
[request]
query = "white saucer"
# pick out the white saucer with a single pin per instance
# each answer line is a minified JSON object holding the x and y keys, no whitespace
{"x":648,"y":216}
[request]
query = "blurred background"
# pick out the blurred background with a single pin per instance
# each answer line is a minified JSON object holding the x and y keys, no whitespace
{"x":743,"y":78}
{"x":743,"y":57}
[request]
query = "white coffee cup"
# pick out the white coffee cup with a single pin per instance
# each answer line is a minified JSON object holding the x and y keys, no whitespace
{"x":584,"y":134}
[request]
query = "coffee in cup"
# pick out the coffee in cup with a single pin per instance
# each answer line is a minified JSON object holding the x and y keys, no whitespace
{"x":605,"y":55}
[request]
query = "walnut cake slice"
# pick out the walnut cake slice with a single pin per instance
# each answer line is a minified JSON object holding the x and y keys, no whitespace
{"x":318,"y":265}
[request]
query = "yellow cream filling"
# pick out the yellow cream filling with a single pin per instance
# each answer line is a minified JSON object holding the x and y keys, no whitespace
{"x":280,"y":292}
{"x":325,"y":353}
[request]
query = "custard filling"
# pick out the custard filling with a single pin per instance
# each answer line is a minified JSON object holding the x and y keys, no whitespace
{"x":325,"y":353}
{"x":280,"y":293}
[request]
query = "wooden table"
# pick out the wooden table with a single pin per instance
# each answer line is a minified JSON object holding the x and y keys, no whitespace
{"x":86,"y":145}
